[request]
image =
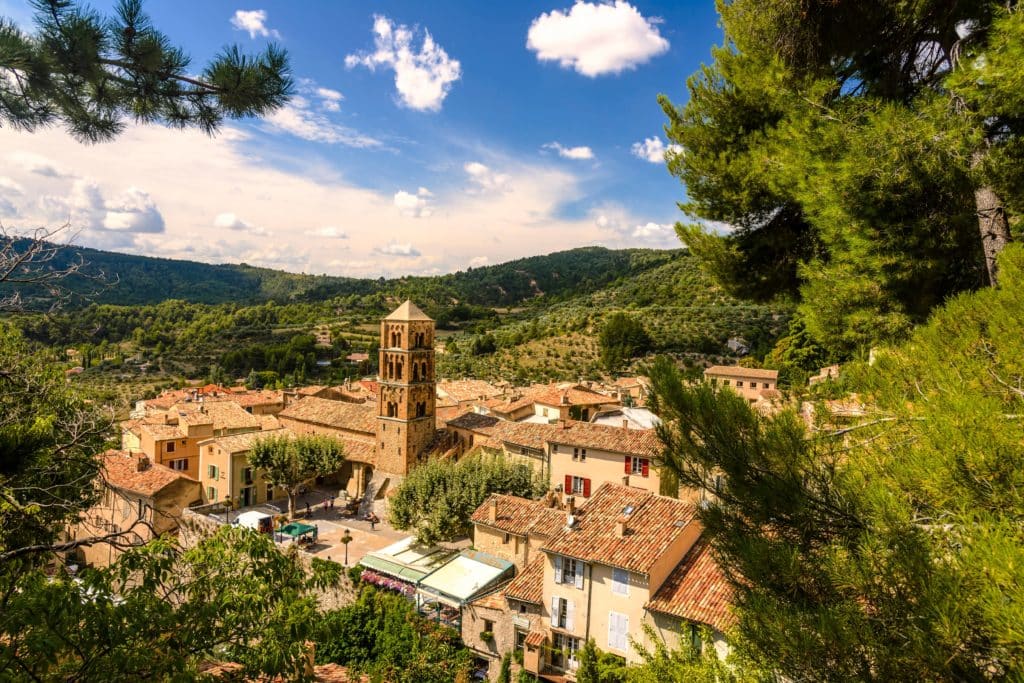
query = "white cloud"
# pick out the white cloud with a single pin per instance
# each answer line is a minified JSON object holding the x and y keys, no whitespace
{"x":485,"y":178}
{"x":40,"y":165}
{"x":330,"y":99}
{"x":328,"y":231}
{"x":478,"y":261}
{"x":596,"y":39}
{"x":578,"y":153}
{"x":232,"y":222}
{"x":299,"y":120}
{"x":7,"y":209}
{"x":9,"y":187}
{"x":653,"y":150}
{"x":396,"y":249}
{"x":414,"y":205}
{"x":254,"y":22}
{"x":423,"y":78}
{"x":134,"y":211}
{"x":653,"y":231}
{"x":620,"y":228}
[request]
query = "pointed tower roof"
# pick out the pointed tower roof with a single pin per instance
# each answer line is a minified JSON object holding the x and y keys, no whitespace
{"x":408,"y":311}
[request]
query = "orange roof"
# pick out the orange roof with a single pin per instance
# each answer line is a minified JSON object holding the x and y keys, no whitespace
{"x":495,"y":599}
{"x":468,"y":389}
{"x":356,"y":417}
{"x":535,"y":638}
{"x":696,"y":590}
{"x":607,"y":438}
{"x":653,"y":523}
{"x":739,"y":371}
{"x":475,"y":422}
{"x":528,"y":586}
{"x":222,"y":414}
{"x":120,"y":470}
{"x":527,"y":434}
{"x":262,"y":397}
{"x":555,"y":395}
{"x":243,"y":443}
{"x":516,"y":515}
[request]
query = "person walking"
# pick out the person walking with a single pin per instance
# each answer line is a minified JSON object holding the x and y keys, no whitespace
{"x":307,"y":508}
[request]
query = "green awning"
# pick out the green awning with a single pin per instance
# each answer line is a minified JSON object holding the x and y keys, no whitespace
{"x":296,"y":529}
{"x":393,"y":569}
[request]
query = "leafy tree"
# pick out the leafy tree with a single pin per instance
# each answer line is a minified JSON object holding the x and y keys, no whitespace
{"x":90,"y":73}
{"x":290,"y":462}
{"x":436,"y":499}
{"x":690,"y":662}
{"x":382,"y":634}
{"x":160,"y":611}
{"x":859,"y":149}
{"x":884,"y":550}
{"x":622,"y":338}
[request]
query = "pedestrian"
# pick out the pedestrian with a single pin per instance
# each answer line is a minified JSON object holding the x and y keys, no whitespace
{"x":307,"y":508}
{"x":373,"y":521}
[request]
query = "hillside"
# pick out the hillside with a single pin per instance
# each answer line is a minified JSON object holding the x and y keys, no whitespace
{"x":142,"y":280}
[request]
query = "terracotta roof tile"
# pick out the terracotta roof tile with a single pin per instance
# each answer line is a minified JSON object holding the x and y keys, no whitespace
{"x":607,"y":438}
{"x":221,"y":413}
{"x":535,"y":638}
{"x":475,"y":422}
{"x":408,"y":311}
{"x":738,"y":371}
{"x":120,"y":470}
{"x":357,"y":417}
{"x":652,"y":526}
{"x":554,"y":395}
{"x":495,"y":599}
{"x":696,"y":590}
{"x":262,"y":397}
{"x":515,"y":515}
{"x":468,"y":389}
{"x":528,"y":586}
{"x":242,"y":443}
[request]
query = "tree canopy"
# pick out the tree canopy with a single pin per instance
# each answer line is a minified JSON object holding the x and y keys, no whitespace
{"x":291,"y":461}
{"x":867,"y":155}
{"x":92,"y":73}
{"x":436,"y":499}
{"x":888,"y":549}
{"x":622,"y":338}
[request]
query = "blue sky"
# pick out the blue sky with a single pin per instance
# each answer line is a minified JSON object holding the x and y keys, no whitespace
{"x":513,"y":129}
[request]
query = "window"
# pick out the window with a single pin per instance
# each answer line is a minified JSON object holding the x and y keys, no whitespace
{"x":247,"y":475}
{"x":170,"y":447}
{"x":725,"y":382}
{"x":554,"y":448}
{"x":520,"y":639}
{"x":212,"y":472}
{"x":579,"y":454}
{"x":562,"y":613}
{"x":569,"y":571}
{"x":764,"y":385}
{"x":577,"y":485}
{"x":488,"y":625}
{"x":506,"y":539}
{"x":545,"y":412}
{"x":618,"y":631}
{"x":211,"y":493}
{"x":739,"y":383}
{"x":696,"y":642}
{"x":270,"y":492}
{"x":564,"y":651}
{"x":640,"y":466}
{"x":522,"y":608}
{"x":620,"y":581}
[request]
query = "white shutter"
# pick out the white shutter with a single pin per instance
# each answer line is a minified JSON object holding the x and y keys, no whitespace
{"x":623,"y":632}
{"x":554,"y":612}
{"x":579,"y":575}
{"x":558,"y":569}
{"x":613,"y":629}
{"x":570,"y":609}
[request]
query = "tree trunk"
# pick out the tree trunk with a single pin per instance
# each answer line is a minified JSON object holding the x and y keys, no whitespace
{"x":992,"y":223}
{"x":291,"y":503}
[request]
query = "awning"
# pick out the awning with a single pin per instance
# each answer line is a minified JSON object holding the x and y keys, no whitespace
{"x":296,"y":529}
{"x":393,"y":569}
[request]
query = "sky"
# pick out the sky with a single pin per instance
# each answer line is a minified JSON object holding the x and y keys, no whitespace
{"x":424,"y":138}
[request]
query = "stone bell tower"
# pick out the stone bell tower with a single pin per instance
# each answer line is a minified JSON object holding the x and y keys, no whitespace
{"x":405,"y":409}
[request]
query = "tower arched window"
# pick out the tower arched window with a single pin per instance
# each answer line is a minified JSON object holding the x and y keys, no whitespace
{"x":398,"y":370}
{"x":415,"y":372}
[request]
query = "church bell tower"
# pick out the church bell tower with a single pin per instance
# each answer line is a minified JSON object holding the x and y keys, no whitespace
{"x":405,"y":409}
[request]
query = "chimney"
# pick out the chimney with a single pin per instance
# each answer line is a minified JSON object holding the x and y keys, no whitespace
{"x":620,"y":527}
{"x":625,"y":423}
{"x":564,"y":424}
{"x":141,"y":463}
{"x":492,"y":510}
{"x":570,"y":504}
{"x":625,"y":480}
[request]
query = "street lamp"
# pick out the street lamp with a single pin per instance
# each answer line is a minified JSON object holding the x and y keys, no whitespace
{"x":227,"y":508}
{"x":346,"y":538}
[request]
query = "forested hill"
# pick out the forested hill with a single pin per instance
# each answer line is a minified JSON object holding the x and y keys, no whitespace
{"x":148,"y":280}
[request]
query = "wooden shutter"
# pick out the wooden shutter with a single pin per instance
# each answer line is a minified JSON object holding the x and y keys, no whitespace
{"x":554,"y":612}
{"x":613,"y":629}
{"x":568,"y":483}
{"x":579,"y":574}
{"x":586,"y":488}
{"x":558,"y":569}
{"x":646,"y":466}
{"x":623,"y":631}
{"x":629,"y":463}
{"x":570,"y":610}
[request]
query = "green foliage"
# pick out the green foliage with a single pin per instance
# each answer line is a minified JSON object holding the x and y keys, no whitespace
{"x":381,"y":634}
{"x":887,"y":550}
{"x":505,"y":672}
{"x":436,"y":499}
{"x":236,"y":597}
{"x":597,"y":666}
{"x":48,"y":440}
{"x":848,"y":163}
{"x":91,"y":73}
{"x":291,"y":461}
{"x":622,"y":337}
{"x":692,"y":662}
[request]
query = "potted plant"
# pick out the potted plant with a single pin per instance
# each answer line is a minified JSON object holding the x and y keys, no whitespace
{"x":487,"y":636}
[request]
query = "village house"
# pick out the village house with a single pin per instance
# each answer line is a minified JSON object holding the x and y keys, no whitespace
{"x":625,"y":560}
{"x":553,"y":402}
{"x":136,"y":495}
{"x":172,"y":437}
{"x":226,"y":472}
{"x":747,"y":382}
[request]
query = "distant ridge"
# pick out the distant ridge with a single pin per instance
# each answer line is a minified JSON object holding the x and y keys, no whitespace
{"x":151,"y":280}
